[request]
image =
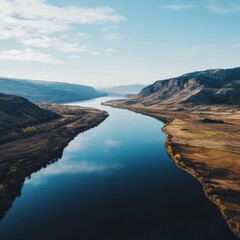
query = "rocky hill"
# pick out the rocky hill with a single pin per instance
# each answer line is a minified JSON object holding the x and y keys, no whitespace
{"x":218,"y":86}
{"x":17,"y":111}
{"x":47,"y":92}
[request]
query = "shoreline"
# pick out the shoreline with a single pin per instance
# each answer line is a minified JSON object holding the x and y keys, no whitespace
{"x":23,"y":155}
{"x":177,"y":152}
{"x":181,"y":165}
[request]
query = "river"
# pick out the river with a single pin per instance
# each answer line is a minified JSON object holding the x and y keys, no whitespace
{"x":114,"y":182}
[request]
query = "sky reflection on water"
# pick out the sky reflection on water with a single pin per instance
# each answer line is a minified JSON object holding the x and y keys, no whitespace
{"x":114,"y":181}
{"x":73,"y":164}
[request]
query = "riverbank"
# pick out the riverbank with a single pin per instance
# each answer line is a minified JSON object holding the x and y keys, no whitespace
{"x":205,"y":142}
{"x":25,"y":151}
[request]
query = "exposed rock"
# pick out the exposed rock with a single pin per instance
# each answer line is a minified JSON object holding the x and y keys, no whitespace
{"x":219,"y":86}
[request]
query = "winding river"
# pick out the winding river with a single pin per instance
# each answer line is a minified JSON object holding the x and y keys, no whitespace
{"x":114,"y":182}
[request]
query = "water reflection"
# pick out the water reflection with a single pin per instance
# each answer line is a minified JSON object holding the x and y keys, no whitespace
{"x":112,"y":143}
{"x":80,"y":142}
{"x":114,"y":182}
{"x":71,"y":167}
{"x":72,"y":163}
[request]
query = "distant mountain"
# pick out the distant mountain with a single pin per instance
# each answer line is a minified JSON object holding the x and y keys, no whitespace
{"x":125,"y":89}
{"x":17,"y":111}
{"x":218,"y":86}
{"x":48,"y":92}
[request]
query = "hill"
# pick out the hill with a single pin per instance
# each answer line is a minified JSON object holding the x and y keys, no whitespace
{"x":217,"y":86}
{"x":32,"y":138}
{"x":48,"y":92}
{"x":125,"y":89}
{"x":17,"y":111}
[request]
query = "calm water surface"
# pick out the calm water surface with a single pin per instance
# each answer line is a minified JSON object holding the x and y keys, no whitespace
{"x":114,"y":182}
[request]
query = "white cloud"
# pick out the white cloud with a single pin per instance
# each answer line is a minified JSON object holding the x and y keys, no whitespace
{"x":206,"y":46}
{"x":96,"y":53}
{"x":112,"y":37}
{"x":110,"y":51}
{"x":34,"y":23}
{"x":27,"y":54}
{"x":216,"y":6}
{"x":48,"y":42}
{"x":42,"y":42}
{"x":38,"y":15}
{"x":70,"y":47}
{"x":180,"y":7}
{"x":226,"y":8}
{"x":8,"y":33}
{"x":82,"y":35}
{"x":109,"y":28}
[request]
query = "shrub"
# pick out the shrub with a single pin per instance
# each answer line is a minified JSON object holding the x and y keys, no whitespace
{"x":178,"y":157}
{"x":13,"y":170}
{"x":29,"y":129}
{"x":2,"y":188}
{"x":13,"y":134}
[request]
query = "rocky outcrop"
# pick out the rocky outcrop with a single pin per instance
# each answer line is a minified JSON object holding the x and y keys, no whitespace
{"x":219,"y":86}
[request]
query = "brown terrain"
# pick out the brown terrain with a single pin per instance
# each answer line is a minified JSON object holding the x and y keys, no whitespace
{"x":28,"y":148}
{"x":202,"y":139}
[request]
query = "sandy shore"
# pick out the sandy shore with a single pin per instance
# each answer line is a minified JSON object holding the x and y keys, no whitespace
{"x":205,"y":142}
{"x":26,"y":152}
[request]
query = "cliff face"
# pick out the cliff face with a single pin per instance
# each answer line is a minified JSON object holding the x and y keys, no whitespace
{"x":17,"y":111}
{"x":217,"y":86}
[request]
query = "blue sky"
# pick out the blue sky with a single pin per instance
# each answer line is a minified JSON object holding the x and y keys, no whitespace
{"x":112,"y":42}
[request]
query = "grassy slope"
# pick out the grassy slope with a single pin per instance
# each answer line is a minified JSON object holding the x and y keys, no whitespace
{"x":17,"y":111}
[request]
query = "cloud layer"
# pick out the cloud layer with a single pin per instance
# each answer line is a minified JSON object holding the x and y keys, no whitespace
{"x":180,"y":7}
{"x":36,"y":24}
{"x":28,"y":54}
{"x":215,"y":6}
